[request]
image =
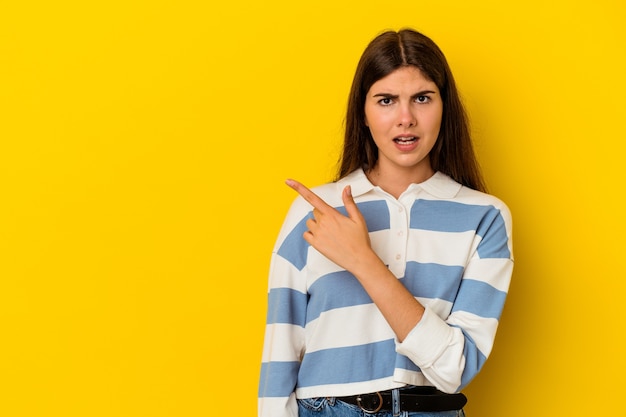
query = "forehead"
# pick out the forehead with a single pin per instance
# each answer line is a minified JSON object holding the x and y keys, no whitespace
{"x":407,"y":78}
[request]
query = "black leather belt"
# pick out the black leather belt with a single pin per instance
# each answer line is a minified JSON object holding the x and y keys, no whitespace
{"x":411,"y":399}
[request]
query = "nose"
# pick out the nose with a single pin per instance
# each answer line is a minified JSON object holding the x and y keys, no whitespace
{"x":406,"y":116}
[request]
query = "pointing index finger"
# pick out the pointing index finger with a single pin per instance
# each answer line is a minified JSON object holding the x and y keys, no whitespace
{"x":313,"y":199}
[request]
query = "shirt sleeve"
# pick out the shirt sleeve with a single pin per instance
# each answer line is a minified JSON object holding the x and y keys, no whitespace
{"x":286,"y":316}
{"x":451,"y":350}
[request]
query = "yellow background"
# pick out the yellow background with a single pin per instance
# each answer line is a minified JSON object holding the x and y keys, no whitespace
{"x":143,"y":148}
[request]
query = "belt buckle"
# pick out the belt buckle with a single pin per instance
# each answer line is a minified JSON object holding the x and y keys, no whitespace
{"x":377,"y":409}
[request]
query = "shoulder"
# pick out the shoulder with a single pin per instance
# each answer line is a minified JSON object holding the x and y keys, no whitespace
{"x":470,"y":196}
{"x":443,"y":188}
{"x":300,"y":210}
{"x":331,"y":192}
{"x":466,"y":193}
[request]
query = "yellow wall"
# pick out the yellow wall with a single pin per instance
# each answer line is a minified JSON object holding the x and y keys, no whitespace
{"x":143,"y":148}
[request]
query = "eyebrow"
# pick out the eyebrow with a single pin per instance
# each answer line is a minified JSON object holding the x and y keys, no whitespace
{"x":394,"y":96}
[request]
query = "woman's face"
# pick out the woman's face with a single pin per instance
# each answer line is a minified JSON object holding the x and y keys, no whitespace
{"x":403,"y":112}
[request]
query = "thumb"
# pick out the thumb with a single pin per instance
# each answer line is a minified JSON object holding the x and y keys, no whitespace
{"x":349,"y":204}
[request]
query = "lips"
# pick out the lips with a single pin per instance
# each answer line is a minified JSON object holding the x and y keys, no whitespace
{"x":405,"y":140}
{"x":406,"y":143}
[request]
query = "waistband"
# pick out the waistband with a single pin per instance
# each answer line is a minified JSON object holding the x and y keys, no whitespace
{"x":407,"y":399}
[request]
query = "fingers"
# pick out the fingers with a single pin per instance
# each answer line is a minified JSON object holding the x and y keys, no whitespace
{"x":311,"y":222}
{"x":309,"y":196}
{"x":320,"y":205}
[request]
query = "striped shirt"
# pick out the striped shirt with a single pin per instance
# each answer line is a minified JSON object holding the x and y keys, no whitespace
{"x":451,"y":248}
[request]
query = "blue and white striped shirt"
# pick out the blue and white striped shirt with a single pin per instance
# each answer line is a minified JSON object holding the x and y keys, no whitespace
{"x":451,"y":248}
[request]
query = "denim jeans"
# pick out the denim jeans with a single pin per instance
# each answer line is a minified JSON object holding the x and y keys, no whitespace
{"x":330,"y":407}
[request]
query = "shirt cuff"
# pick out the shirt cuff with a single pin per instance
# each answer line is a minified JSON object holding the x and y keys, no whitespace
{"x":427,"y":341}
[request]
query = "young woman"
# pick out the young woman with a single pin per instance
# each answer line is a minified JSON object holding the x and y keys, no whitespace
{"x":387,"y":285}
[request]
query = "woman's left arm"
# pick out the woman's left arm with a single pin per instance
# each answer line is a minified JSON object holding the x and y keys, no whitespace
{"x":449,"y":351}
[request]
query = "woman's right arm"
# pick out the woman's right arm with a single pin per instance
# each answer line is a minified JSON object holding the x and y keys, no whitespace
{"x":286,"y":313}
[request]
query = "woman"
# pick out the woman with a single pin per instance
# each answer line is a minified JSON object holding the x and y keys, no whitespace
{"x":386,"y":286}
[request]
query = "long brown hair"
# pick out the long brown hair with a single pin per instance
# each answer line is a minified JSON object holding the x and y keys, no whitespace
{"x":453,"y":153}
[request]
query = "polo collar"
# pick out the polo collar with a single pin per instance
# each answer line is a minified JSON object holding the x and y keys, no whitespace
{"x":439,"y":185}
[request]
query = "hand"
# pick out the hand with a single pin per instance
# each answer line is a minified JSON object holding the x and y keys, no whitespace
{"x":345,"y":241}
{"x":342,"y":239}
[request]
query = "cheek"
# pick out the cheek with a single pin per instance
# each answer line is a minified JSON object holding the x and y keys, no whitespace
{"x":435,"y":121}
{"x":437,"y":124}
{"x":375,"y":134}
{"x":378,"y":121}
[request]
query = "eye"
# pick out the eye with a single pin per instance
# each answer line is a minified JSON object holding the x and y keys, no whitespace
{"x":385,"y":101}
{"x":422,"y":99}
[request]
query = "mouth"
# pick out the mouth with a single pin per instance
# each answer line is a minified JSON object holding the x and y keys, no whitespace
{"x":405,"y":140}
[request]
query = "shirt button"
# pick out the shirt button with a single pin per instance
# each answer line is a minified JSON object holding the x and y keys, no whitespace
{"x":400,"y":233}
{"x":398,"y":256}
{"x":401,"y":209}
